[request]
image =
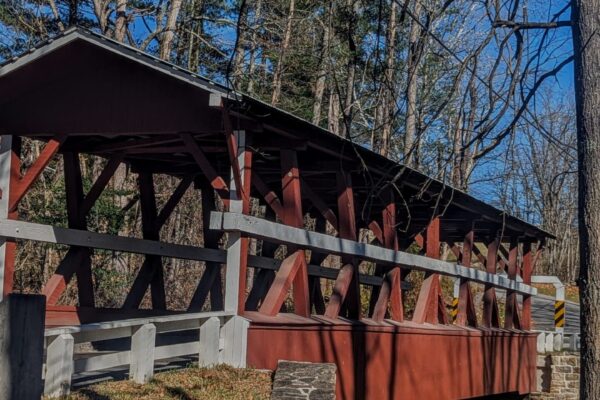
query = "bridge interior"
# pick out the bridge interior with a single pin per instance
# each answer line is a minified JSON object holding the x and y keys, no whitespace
{"x":344,"y":229}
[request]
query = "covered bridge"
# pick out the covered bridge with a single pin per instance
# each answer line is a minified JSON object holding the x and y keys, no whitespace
{"x":81,"y":93}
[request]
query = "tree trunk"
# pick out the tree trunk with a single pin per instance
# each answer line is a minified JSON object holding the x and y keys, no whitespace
{"x":277,"y":76}
{"x":121,"y":22}
{"x":388,"y":102}
{"x":166,"y":43}
{"x":254,"y":46}
{"x":321,"y":73}
{"x":348,"y":110}
{"x":239,"y":51}
{"x":411,"y":88}
{"x":586,"y":46}
{"x":101,"y":12}
{"x":59,"y":23}
{"x":333,"y":118}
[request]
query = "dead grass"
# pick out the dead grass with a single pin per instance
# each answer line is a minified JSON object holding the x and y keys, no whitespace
{"x":221,"y":382}
{"x":571,"y":291}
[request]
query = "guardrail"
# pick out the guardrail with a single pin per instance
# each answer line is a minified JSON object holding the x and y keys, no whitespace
{"x":283,"y":234}
{"x":559,"y":299}
{"x":221,"y":339}
{"x":549,"y":342}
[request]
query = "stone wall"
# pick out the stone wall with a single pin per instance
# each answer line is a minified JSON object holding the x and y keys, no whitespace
{"x":558,"y":376}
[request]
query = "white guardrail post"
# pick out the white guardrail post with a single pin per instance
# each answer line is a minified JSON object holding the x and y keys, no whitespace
{"x":559,"y":299}
{"x":141,"y":364}
{"x":221,"y":339}
{"x":210,"y":342}
{"x":59,"y":365}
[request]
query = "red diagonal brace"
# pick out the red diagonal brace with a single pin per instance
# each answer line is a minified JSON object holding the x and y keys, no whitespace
{"x":22,"y":185}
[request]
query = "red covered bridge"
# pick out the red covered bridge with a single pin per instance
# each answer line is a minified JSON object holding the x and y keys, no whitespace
{"x":326,"y":198}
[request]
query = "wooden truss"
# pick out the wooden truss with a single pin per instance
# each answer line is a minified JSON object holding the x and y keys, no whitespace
{"x":297,"y":277}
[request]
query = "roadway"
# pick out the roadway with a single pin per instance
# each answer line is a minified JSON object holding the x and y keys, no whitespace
{"x":542,"y":310}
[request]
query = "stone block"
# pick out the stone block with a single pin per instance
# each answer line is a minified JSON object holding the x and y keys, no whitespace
{"x":302,"y":380}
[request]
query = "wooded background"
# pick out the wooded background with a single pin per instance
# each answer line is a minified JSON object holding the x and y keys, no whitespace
{"x":466,"y":91}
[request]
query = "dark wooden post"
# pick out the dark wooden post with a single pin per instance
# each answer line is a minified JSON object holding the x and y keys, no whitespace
{"x":264,"y":277}
{"x":211,"y":278}
{"x":238,"y":244}
{"x":293,"y":270}
{"x":293,"y":216}
{"x":77,"y":220}
{"x":511,"y":315}
{"x":430,"y":304}
{"x":391,"y":290}
{"x":466,"y":308}
{"x":151,"y":272}
{"x":490,"y":303}
{"x":526,"y":274}
{"x":78,"y":259}
{"x":346,"y":288}
{"x":10,"y":167}
{"x":21,"y":346}
{"x":314,"y":282}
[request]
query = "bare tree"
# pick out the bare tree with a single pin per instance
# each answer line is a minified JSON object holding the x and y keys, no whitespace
{"x":586,"y":46}
{"x":285,"y":43}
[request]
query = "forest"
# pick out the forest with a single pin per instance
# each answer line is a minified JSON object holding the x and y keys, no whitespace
{"x":469,"y":92}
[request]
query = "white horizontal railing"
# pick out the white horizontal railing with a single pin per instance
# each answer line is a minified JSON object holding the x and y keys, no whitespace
{"x":15,"y":229}
{"x":221,"y":339}
{"x":272,"y":231}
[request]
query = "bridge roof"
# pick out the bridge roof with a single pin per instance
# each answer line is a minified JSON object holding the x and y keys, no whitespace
{"x":110,"y":98}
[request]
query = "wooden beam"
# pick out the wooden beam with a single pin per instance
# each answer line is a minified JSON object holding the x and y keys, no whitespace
{"x":151,"y":272}
{"x":430,"y":306}
{"x":293,"y":216}
{"x":98,"y":187}
{"x":211,"y":278}
{"x":466,"y":308}
{"x":174,"y":200}
{"x":346,"y":288}
{"x":237,"y":246}
{"x":10,"y":167}
{"x":23,"y":185}
{"x":77,"y":260}
{"x":526,"y":271}
{"x":208,"y":170}
{"x":323,"y":208}
{"x":232,"y":151}
{"x":263,"y":277}
{"x":278,"y":233}
{"x":490,"y":303}
{"x":511,"y":314}
{"x":316,"y":294}
{"x":75,"y":237}
{"x":391,"y":288}
{"x":269,"y":195}
{"x":74,"y":191}
{"x":286,"y":274}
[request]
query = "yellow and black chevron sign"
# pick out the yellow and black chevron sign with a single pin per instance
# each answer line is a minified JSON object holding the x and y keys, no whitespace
{"x":454,"y":311}
{"x":559,"y":314}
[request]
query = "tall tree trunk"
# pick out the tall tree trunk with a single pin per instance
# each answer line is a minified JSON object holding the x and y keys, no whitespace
{"x":101,"y":10}
{"x":410,"y":135}
{"x":239,"y":51}
{"x":333,"y":117}
{"x":166,"y":44}
{"x":73,"y":12}
{"x":254,"y":46}
{"x":348,"y":110}
{"x":586,"y":45}
{"x":121,"y":22}
{"x":388,"y":102}
{"x":59,"y":23}
{"x":277,"y":76}
{"x":322,"y":72}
